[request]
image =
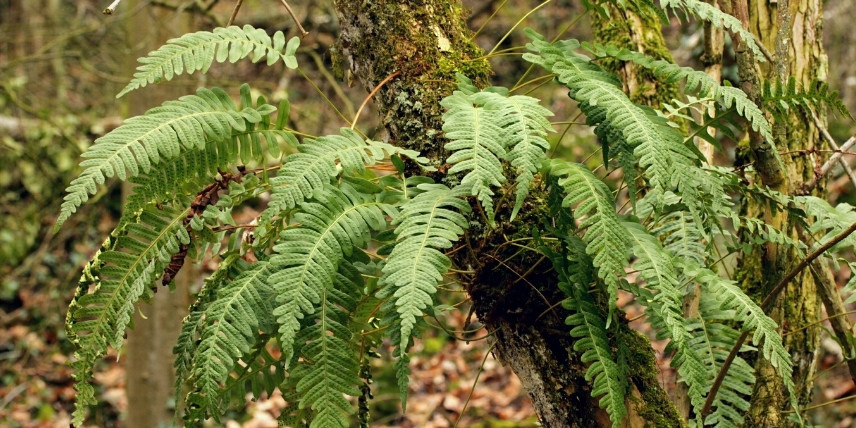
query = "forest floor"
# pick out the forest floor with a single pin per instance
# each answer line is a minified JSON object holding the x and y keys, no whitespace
{"x":454,"y":382}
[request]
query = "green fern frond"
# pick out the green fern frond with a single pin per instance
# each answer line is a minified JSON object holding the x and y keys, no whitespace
{"x":829,"y":221}
{"x":191,"y":327}
{"x":428,"y":223}
{"x":122,"y":272}
{"x":696,"y":81}
{"x":476,"y":142}
{"x":589,"y":328}
{"x":308,"y":255}
{"x":525,"y":126}
{"x":318,"y":161}
{"x":658,"y":146}
{"x":780,"y":97}
{"x":748,"y":313}
{"x":713,"y":338}
{"x":682,"y":236}
{"x":197,"y":51}
{"x":159,"y":134}
{"x":718,"y":18}
{"x":329,"y":368}
{"x":656,"y":268}
{"x":232,"y":328}
{"x":592,"y":202}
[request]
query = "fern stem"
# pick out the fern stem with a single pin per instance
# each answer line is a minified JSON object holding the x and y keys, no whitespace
{"x":519,"y":21}
{"x":817,"y":406}
{"x":489,"y":18}
{"x":547,"y":78}
{"x":475,"y":382}
{"x":323,"y":95}
{"x":561,"y":33}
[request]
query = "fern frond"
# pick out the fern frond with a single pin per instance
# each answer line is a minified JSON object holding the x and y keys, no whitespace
{"x":191,"y":327}
{"x":197,"y":51}
{"x":476,"y":142}
{"x":713,"y":338}
{"x":696,"y":81}
{"x":605,"y":235}
{"x":161,"y":133}
{"x":656,"y":268}
{"x":707,"y":12}
{"x":682,"y":236}
{"x":589,"y":328}
{"x":318,"y":161}
{"x":308,"y":255}
{"x":122,"y":272}
{"x":232,"y":328}
{"x":428,"y":223}
{"x":658,"y":147}
{"x":779,"y":97}
{"x":525,"y":126}
{"x":748,"y":313}
{"x":329,"y":367}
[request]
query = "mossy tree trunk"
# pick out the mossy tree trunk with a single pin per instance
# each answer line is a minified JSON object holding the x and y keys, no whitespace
{"x":791,"y":29}
{"x":426,"y":42}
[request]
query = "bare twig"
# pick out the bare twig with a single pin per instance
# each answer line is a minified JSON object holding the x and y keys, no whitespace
{"x":765,"y":305}
{"x":834,"y":145}
{"x":808,"y":187}
{"x":303,"y":32}
{"x":235,"y":12}
{"x":372,"y":94}
{"x":112,"y":8}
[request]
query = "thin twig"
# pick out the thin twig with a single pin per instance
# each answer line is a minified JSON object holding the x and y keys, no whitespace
{"x":808,"y":187}
{"x":112,"y":8}
{"x":303,"y":32}
{"x":372,"y":94}
{"x":765,"y":305}
{"x":235,"y":12}
{"x":834,"y":145}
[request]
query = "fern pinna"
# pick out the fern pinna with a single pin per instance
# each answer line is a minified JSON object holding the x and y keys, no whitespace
{"x":343,"y":258}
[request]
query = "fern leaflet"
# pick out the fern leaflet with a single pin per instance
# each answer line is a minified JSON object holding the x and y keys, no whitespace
{"x":589,"y":328}
{"x":428,"y":223}
{"x":718,"y":18}
{"x":476,"y":140}
{"x":197,"y":51}
{"x":232,"y":326}
{"x":605,"y":234}
{"x":329,"y":368}
{"x":308,"y":255}
{"x":318,"y":161}
{"x":161,"y":133}
{"x":123,"y":272}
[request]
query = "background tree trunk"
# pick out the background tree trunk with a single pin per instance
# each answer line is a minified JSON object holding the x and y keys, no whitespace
{"x":149,"y":363}
{"x":792,"y":29}
{"x":427,"y":42}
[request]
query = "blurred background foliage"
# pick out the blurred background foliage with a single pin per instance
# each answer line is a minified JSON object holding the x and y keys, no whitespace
{"x":62,"y":62}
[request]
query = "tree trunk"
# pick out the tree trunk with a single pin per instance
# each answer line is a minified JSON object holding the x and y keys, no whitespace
{"x":792,"y":30}
{"x":427,"y":42}
{"x":149,"y":362}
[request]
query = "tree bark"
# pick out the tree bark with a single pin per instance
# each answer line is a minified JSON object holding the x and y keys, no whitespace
{"x":427,"y":42}
{"x":792,"y":30}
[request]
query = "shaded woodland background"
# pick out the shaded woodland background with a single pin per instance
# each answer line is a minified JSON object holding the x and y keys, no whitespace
{"x":62,"y":62}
